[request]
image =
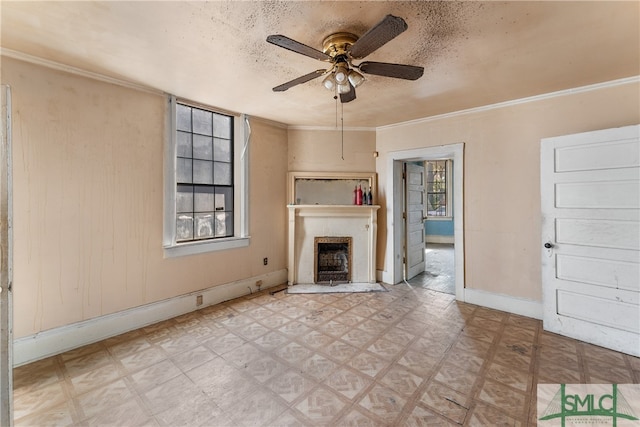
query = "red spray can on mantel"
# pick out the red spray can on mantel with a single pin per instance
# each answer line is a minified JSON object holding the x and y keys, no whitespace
{"x":355,"y":195}
{"x":359,"y":195}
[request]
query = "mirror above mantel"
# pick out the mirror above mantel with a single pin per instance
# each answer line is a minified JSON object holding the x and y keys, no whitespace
{"x":328,"y":188}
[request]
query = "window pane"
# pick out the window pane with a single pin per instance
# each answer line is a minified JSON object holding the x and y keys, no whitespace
{"x":183,"y":170}
{"x":222,"y":150}
{"x":184,"y":199}
{"x":183,"y":139}
{"x":202,"y":172}
{"x":224,"y":224}
{"x":222,"y":173}
{"x":202,"y":122}
{"x":221,"y":126}
{"x":183,"y":117}
{"x":224,"y":199}
{"x":184,"y":227}
{"x":203,"y":199}
{"x":202,"y":147}
{"x":204,"y":225}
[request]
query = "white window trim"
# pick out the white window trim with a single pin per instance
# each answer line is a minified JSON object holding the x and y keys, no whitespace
{"x":241,"y":145}
{"x":449,"y":215}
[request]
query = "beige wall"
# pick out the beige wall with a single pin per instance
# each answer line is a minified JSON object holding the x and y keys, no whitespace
{"x":502,"y":177}
{"x":87,"y":193}
{"x":321,"y":151}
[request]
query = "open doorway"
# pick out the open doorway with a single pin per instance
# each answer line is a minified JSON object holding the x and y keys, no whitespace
{"x":396,"y":243}
{"x":438,"y":273}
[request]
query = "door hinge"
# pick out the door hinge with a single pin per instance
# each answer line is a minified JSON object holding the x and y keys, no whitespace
{"x":404,"y":215}
{"x":404,"y":260}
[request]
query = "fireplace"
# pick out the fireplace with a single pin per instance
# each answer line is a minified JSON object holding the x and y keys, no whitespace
{"x":332,"y":260}
{"x":335,"y":227}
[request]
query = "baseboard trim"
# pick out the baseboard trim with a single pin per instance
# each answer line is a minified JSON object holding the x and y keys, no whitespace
{"x":58,"y":340}
{"x":520,"y":306}
{"x":435,"y":238}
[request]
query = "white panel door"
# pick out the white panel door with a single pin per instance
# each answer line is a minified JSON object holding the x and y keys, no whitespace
{"x":590,"y":194}
{"x":414,"y":209}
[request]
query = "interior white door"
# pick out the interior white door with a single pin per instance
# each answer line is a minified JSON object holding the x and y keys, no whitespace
{"x":414,"y":212}
{"x":590,"y":194}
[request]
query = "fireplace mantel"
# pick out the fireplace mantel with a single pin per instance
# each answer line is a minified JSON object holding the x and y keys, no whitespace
{"x":309,"y":221}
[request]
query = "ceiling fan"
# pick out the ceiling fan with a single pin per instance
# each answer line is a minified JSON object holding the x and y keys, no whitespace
{"x":340,"y":49}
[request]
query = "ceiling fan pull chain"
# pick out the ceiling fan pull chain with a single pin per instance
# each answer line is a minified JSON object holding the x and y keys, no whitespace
{"x":342,"y":124}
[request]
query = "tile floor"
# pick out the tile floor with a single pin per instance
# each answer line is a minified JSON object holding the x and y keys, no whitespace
{"x":439,"y":274}
{"x":407,"y":357}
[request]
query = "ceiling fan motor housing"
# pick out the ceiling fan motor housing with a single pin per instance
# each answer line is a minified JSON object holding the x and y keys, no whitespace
{"x":337,"y":44}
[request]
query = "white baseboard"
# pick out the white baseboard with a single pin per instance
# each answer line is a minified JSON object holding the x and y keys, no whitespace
{"x":58,"y":340}
{"x":521,"y":306}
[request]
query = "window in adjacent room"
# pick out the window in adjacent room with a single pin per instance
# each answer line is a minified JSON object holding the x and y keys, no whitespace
{"x":202,"y":202}
{"x":438,"y":173}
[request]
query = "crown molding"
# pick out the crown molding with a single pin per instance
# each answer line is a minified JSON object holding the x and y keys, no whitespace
{"x":21,"y":56}
{"x":332,"y":128}
{"x":535,"y":98}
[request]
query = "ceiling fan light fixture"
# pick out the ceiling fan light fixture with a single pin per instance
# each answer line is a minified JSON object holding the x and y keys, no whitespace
{"x":355,"y":78}
{"x":341,"y":74}
{"x":329,"y":83}
{"x":344,"y":88}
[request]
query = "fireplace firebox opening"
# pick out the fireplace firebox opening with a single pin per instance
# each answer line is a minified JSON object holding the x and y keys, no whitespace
{"x":332,"y":260}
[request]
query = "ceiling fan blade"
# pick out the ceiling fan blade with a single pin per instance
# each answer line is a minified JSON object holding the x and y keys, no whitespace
{"x":349,"y":96}
{"x":297,"y":47}
{"x":302,"y":79}
{"x":398,"y":71}
{"x":378,"y":35}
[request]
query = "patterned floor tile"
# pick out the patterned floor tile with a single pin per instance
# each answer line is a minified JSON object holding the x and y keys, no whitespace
{"x":106,"y":397}
{"x":154,"y":375}
{"x":457,"y":378}
{"x":368,"y":363}
{"x":257,"y":409}
{"x":384,"y":403}
{"x":401,"y":380}
{"x":484,"y":415}
{"x":386,"y":349}
{"x":190,"y":359}
{"x":421,"y":417}
{"x":501,"y":396}
{"x":271,"y":341}
{"x":321,"y":406}
{"x":409,"y":357}
{"x":356,"y":418}
{"x":340,"y":351}
{"x":517,"y":379}
{"x":291,"y":385}
{"x":293,"y":353}
{"x":359,"y":338}
{"x":93,"y":379}
{"x":264,"y":368}
{"x":347,"y":382}
{"x":318,"y":367}
{"x":446,"y":402}
{"x":143,"y":359}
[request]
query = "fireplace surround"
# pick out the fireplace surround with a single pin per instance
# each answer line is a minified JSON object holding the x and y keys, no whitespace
{"x":334,"y":223}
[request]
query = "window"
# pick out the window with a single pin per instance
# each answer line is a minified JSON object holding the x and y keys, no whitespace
{"x":204,"y":174}
{"x":202,"y":202}
{"x":438,"y":192}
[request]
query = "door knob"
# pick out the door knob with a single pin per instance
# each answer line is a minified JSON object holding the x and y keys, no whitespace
{"x":548,"y":245}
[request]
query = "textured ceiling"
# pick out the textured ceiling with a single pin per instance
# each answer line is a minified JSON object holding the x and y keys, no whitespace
{"x":474,"y":53}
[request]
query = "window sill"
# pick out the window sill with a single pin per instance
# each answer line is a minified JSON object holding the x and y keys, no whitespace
{"x":194,"y":248}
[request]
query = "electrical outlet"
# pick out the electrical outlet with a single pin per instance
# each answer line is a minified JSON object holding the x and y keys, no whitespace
{"x":199,"y":300}
{"x":265,"y":261}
